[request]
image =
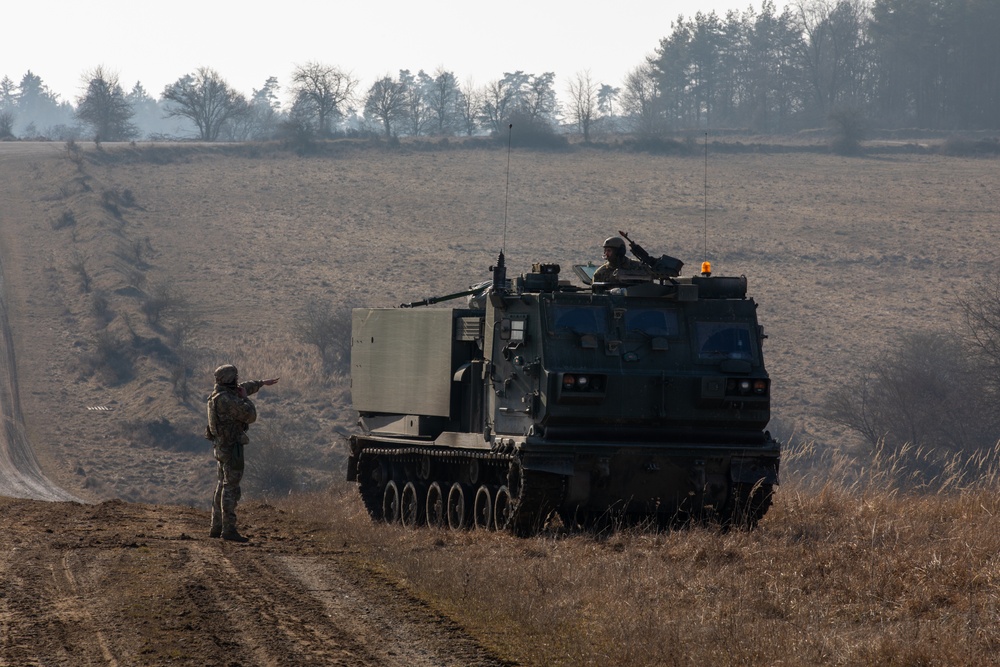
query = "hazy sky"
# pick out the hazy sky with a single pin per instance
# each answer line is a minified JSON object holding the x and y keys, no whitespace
{"x":158,"y":42}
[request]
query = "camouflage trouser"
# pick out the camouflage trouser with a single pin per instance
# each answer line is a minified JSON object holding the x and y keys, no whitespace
{"x":227,"y":491}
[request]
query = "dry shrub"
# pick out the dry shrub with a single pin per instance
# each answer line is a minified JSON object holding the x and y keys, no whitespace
{"x":927,"y":388}
{"x":66,"y":219}
{"x":328,"y":328}
{"x":163,"y":301}
{"x":161,"y":433}
{"x":295,"y":362}
{"x":271,"y":462}
{"x":109,"y":358}
{"x":78,"y":265}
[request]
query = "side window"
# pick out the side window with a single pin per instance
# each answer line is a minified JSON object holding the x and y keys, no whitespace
{"x":724,"y":340}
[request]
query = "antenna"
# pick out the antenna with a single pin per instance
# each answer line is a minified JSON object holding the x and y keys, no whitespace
{"x":500,"y":269}
{"x":706,"y":197}
{"x":506,"y":194}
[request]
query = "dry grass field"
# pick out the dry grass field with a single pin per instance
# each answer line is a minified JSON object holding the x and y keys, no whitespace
{"x":131,"y":273}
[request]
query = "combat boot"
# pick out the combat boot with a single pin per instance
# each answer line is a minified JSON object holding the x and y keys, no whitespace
{"x":232,"y":535}
{"x":215,"y":532}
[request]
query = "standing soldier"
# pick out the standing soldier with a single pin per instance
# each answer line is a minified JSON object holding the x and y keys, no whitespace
{"x":230,"y":414}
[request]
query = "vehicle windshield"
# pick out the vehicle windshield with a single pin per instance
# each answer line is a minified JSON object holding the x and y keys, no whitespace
{"x":579,"y":319}
{"x":723,"y":340}
{"x":652,"y":322}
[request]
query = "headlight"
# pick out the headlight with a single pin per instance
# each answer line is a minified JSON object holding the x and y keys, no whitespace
{"x":746,"y":387}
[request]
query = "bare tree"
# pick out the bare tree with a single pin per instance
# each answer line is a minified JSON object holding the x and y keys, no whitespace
{"x":583,"y":102}
{"x":323,"y":91}
{"x":926,"y":390}
{"x":831,"y":53}
{"x":981,"y":307}
{"x":329,"y":329}
{"x":639,"y":100}
{"x":470,"y":101}
{"x":496,"y":104}
{"x":387,"y":101}
{"x":105,"y":107}
{"x":418,"y":111}
{"x":206,"y":99}
{"x":444,"y":99}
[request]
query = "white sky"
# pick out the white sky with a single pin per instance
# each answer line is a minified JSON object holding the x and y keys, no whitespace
{"x":248,"y":41}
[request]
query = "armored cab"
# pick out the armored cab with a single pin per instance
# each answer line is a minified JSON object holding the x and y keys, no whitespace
{"x":640,"y":400}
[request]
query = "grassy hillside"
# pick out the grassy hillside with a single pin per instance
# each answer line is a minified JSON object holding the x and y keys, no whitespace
{"x":137,"y":270}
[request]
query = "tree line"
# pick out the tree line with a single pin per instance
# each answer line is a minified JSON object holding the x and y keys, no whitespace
{"x":932,"y":64}
{"x":896,"y":63}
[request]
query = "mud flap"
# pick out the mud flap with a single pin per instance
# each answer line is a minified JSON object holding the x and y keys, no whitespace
{"x":753,"y":471}
{"x":557,"y":465}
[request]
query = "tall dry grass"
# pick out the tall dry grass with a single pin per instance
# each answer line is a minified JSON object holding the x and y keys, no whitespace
{"x":851,"y":568}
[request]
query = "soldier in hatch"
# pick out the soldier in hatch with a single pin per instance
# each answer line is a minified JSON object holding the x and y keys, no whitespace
{"x":230,"y":414}
{"x":615,"y":259}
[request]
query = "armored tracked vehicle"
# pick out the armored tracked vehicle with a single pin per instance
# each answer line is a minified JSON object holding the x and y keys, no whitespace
{"x":642,"y":400}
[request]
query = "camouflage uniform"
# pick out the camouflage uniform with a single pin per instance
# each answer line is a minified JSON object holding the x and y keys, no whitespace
{"x":229,"y":417}
{"x":605,"y":273}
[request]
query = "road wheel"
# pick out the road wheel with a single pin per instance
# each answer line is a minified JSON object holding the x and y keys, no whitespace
{"x":435,"y":513}
{"x":390,"y":502}
{"x":502,"y":509}
{"x":411,"y":509}
{"x":458,"y":509}
{"x":482,"y":513}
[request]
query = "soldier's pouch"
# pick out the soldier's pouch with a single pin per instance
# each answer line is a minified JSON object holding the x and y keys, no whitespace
{"x":236,"y":460}
{"x":208,"y":433}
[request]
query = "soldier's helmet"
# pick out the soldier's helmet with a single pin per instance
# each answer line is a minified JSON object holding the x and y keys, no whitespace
{"x":226,"y":374}
{"x":617,"y":244}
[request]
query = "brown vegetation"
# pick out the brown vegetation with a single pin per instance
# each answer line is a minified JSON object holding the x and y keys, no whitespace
{"x":834,"y":575}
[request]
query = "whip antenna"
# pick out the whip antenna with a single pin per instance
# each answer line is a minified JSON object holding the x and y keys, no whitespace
{"x":706,"y":197}
{"x":506,"y":194}
{"x":500,"y":270}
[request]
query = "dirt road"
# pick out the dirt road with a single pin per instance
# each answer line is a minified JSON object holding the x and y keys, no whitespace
{"x":125,"y":584}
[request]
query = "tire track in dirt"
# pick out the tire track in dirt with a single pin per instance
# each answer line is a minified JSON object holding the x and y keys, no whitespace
{"x":278,"y":619}
{"x":44,"y":615}
{"x":408,"y":633}
{"x":74,"y":592}
{"x":126,"y":584}
{"x":317,"y":610}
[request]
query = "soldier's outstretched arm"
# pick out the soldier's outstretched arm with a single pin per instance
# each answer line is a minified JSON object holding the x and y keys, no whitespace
{"x":253,"y":386}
